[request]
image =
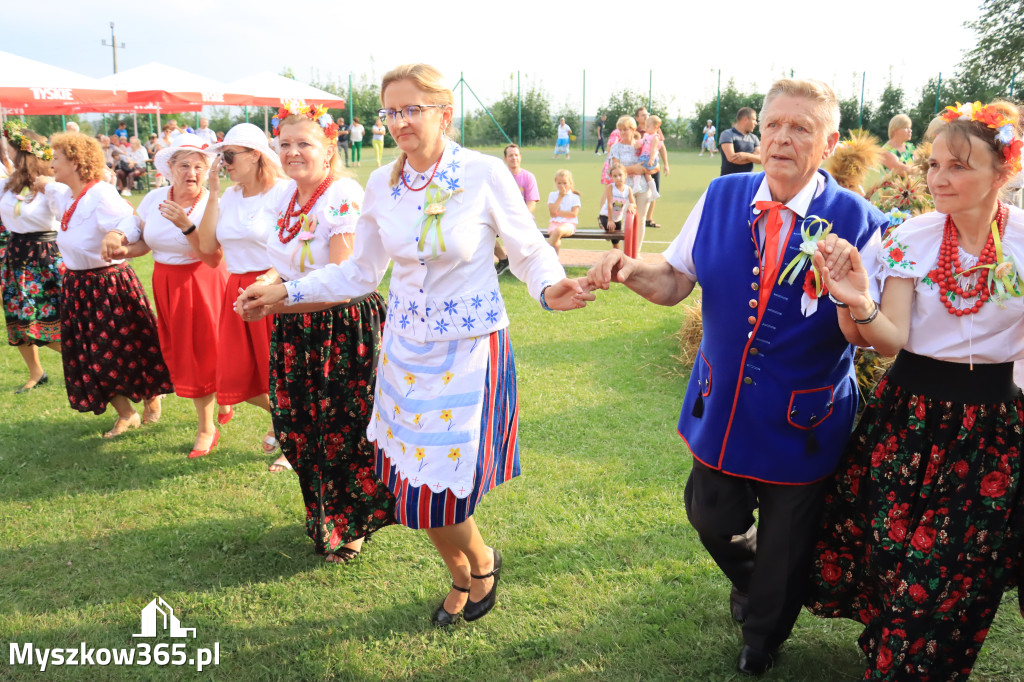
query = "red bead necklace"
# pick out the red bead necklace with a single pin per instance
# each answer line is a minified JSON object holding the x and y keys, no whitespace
{"x":417,"y":189}
{"x":170,"y":197}
{"x":66,"y":218}
{"x":286,"y":228}
{"x":949,"y":267}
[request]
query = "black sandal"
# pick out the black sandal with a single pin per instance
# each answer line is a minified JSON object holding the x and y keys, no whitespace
{"x":479,"y":609}
{"x":343,"y":555}
{"x":442,"y":618}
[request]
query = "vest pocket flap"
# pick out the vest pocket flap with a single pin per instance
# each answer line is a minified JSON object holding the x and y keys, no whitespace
{"x":703,"y":370}
{"x":810,"y":407}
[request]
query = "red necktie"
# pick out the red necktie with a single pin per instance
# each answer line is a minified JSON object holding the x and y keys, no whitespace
{"x":772,"y":228}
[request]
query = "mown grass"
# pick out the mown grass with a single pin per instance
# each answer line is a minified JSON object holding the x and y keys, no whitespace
{"x":604,"y":579}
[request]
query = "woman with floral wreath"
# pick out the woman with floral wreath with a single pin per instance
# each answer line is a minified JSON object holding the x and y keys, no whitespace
{"x":111,"y":351}
{"x":188,"y":284}
{"x":239,"y":224}
{"x":33,"y":268}
{"x":445,"y":415}
{"x":323,"y":355}
{"x":924,"y":526}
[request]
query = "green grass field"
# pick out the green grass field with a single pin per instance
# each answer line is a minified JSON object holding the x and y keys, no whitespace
{"x":603,"y":579}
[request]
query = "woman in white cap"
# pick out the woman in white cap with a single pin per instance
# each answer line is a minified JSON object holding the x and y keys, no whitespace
{"x":188,"y":285}
{"x":240,"y":223}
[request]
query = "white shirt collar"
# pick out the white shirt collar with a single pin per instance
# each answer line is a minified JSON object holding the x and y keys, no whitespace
{"x":800,"y":203}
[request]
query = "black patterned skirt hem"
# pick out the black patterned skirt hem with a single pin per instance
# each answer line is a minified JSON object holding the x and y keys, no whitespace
{"x":32,"y":274}
{"x":322,"y":377}
{"x":924,"y":524}
{"x":109,"y":335}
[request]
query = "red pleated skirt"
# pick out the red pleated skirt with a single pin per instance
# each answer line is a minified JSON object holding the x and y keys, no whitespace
{"x":243,"y":350}
{"x":188,"y":302}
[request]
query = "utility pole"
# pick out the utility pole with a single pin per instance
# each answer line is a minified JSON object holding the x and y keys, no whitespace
{"x":113,"y":45}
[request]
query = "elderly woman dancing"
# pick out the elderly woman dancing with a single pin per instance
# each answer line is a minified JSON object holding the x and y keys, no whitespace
{"x":111,"y":351}
{"x":924,"y":524}
{"x":240,"y":224}
{"x":188,"y":285}
{"x":33,"y":268}
{"x":445,"y":415}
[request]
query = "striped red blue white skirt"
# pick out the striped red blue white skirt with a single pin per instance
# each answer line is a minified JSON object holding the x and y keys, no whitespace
{"x":497,"y":457}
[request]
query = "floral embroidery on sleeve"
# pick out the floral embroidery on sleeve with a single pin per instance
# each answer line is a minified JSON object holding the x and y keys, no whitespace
{"x":896,"y":254}
{"x":344,"y":209}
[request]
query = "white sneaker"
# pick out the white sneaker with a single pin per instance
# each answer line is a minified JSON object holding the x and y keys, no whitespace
{"x":126,"y":193}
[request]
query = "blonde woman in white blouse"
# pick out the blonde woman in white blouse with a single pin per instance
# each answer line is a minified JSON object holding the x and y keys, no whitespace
{"x":446,"y":414}
{"x":239,"y":224}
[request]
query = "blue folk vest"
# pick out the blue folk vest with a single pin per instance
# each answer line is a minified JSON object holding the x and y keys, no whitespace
{"x":772,"y":395}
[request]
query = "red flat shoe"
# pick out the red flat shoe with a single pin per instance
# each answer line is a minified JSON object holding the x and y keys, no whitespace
{"x":223,"y":419}
{"x":202,"y":453}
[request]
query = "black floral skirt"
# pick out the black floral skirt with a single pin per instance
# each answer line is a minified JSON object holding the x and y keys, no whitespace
{"x":924,"y":526}
{"x":32,"y":274}
{"x":108,"y":333}
{"x":322,"y":378}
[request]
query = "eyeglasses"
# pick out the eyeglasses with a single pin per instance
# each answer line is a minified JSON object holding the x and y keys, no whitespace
{"x":229,"y":154}
{"x":409,"y":113}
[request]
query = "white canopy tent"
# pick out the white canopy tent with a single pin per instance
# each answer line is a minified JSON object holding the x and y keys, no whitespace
{"x":269,"y":89}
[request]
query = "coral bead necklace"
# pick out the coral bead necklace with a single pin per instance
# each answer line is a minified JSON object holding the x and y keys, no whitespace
{"x":949,"y":269}
{"x":286,"y":228}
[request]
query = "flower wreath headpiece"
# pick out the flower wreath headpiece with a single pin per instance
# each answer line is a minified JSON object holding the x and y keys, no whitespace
{"x":12,"y":131}
{"x":317,"y":114}
{"x":993,"y":118}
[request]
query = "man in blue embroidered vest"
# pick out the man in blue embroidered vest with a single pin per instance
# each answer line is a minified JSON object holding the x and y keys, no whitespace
{"x":772,"y":395}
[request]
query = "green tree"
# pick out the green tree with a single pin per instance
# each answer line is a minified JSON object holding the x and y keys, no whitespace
{"x":626,"y":102}
{"x":536,"y":116}
{"x":1000,"y":50}
{"x":851,"y":117}
{"x":968,"y":86}
{"x":889,"y":104}
{"x":732,"y":101}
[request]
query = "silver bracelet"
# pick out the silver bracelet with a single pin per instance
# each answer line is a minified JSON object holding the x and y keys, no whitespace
{"x":867,"y":320}
{"x":839,"y":304}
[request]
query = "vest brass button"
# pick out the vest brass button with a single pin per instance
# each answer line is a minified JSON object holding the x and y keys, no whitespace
{"x":753,"y":351}
{"x":753,"y":303}
{"x":753,"y":285}
{"x":748,"y":380}
{"x":751,"y":319}
{"x":757,"y":270}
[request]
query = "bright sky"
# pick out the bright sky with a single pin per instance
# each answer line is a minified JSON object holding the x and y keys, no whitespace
{"x":549,"y":43}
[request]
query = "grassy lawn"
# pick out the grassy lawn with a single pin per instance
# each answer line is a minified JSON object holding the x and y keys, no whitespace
{"x":603,"y":580}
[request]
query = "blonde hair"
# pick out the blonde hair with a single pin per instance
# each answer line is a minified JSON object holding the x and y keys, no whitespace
{"x":827,"y":105}
{"x":898,"y":122}
{"x":334,"y":164}
{"x":625,"y":121}
{"x":656,"y":120}
{"x":82,"y":150}
{"x":567,"y":174}
{"x":933,"y":129}
{"x":427,"y":80}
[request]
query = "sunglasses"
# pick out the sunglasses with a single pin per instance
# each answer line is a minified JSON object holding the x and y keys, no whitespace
{"x":229,"y":154}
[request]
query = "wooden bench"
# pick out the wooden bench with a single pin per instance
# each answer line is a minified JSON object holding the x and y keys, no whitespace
{"x":591,"y":234}
{"x":626,"y":235}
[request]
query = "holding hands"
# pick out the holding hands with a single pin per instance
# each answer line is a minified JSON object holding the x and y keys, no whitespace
{"x":568,"y":294}
{"x":843,"y":272}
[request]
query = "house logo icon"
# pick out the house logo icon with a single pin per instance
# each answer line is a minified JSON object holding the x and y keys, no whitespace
{"x":159,"y":616}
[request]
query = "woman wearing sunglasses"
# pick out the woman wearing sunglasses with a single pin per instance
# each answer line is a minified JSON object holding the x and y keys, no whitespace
{"x":240,"y":224}
{"x":445,"y":415}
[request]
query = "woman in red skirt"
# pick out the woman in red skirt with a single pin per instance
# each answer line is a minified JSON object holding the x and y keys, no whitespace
{"x":188,"y":285}
{"x":110,"y":348}
{"x":924,"y":525}
{"x":239,"y":224}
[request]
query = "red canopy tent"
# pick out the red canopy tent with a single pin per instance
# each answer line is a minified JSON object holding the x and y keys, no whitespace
{"x":28,"y":87}
{"x":156,"y":87}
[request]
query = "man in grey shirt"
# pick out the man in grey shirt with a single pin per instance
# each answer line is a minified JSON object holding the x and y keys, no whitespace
{"x":739,"y":145}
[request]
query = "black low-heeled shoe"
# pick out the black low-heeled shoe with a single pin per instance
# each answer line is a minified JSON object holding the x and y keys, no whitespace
{"x":26,"y":388}
{"x":479,"y":609}
{"x":442,"y":618}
